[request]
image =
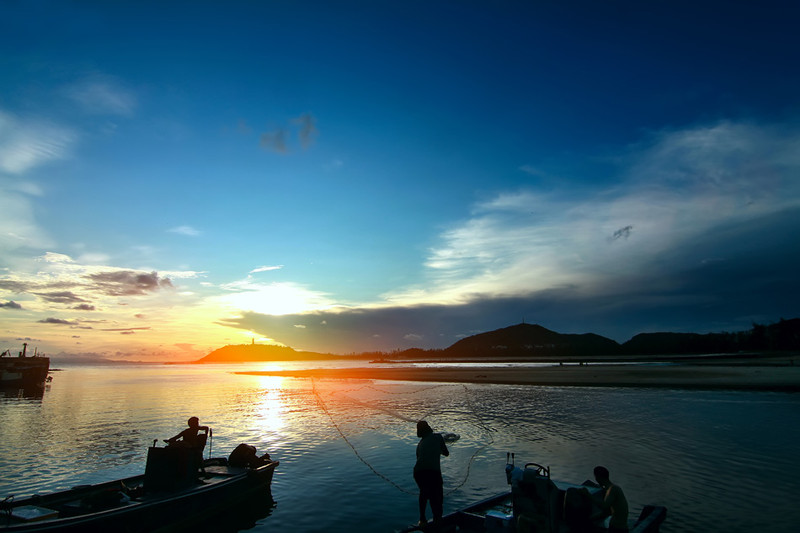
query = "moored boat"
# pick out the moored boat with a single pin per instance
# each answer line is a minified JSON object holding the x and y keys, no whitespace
{"x":538,"y":503}
{"x":23,"y":371}
{"x":168,"y":496}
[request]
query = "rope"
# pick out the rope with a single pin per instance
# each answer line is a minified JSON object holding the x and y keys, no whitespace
{"x":324,"y":408}
{"x":390,"y":412}
{"x":486,"y":428}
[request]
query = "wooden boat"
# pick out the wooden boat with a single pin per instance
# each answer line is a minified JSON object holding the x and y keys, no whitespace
{"x":23,"y":371}
{"x":170,"y":496}
{"x":538,"y":504}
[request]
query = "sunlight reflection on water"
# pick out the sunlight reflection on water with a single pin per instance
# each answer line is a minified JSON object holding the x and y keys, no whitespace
{"x":347,"y":447}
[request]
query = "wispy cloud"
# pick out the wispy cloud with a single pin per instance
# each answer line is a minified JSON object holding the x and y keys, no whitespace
{"x":102,"y":94}
{"x":266,"y":268}
{"x":62,"y":297}
{"x":60,"y":321}
{"x":28,"y":142}
{"x":185,"y":230}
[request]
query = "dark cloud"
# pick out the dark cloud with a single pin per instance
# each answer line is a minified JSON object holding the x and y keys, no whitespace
{"x":122,"y":329}
{"x":278,"y":139}
{"x":63,"y":297}
{"x":84,"y":307}
{"x":10,"y":305}
{"x":307,"y":125}
{"x":622,"y":233}
{"x":128,"y":283}
{"x":14,"y":286}
{"x":51,"y":320}
{"x":275,"y":141}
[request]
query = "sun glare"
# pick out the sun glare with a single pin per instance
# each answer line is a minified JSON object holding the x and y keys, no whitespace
{"x":276,"y":299}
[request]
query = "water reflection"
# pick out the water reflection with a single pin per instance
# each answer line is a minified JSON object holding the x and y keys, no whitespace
{"x":351,"y":441}
{"x":26,"y":393}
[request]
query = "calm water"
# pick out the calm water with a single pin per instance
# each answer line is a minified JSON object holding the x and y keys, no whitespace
{"x":720,"y":461}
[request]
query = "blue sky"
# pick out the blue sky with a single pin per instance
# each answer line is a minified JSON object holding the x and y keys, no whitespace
{"x":352,"y":176}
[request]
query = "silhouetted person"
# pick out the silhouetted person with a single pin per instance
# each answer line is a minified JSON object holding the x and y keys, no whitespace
{"x":614,"y":503}
{"x":191,"y":438}
{"x":428,"y":471}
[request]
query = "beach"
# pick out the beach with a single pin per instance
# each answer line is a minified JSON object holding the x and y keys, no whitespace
{"x":720,"y":374}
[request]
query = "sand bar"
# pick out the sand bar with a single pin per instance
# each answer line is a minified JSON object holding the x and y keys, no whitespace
{"x":776,"y":378}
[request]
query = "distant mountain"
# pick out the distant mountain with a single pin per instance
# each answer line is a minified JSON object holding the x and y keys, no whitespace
{"x":783,"y":335}
{"x":531,"y":340}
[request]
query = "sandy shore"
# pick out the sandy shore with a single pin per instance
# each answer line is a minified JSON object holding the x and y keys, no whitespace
{"x":776,"y":378}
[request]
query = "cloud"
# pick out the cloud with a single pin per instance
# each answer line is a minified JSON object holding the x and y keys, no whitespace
{"x":63,"y":297}
{"x":100,"y":94}
{"x":275,"y":141}
{"x":127,"y":282}
{"x":26,"y":143}
{"x":10,"y":305}
{"x":307,"y":125}
{"x":266,"y":268}
{"x":185,"y":230}
{"x":51,"y":320}
{"x":622,"y":233}
{"x":84,"y":307}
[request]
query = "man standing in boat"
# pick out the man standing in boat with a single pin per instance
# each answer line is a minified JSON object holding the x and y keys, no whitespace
{"x":428,"y":471}
{"x":614,"y":503}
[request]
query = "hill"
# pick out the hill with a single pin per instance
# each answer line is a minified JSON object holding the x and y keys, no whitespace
{"x":246,"y":353}
{"x":531,"y":340}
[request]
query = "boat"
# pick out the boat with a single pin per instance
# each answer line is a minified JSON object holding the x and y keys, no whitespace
{"x":172,"y":495}
{"x":539,"y":504}
{"x":23,"y":371}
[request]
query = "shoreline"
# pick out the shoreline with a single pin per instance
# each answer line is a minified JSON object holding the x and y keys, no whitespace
{"x":691,"y":376}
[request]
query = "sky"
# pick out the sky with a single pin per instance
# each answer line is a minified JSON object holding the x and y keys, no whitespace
{"x":346,"y":177}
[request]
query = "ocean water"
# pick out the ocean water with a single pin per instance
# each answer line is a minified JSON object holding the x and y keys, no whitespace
{"x":719,"y":460}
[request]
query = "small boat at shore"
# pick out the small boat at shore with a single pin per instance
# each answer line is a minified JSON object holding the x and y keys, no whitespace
{"x":169,"y":496}
{"x":23,"y":371}
{"x":537,"y":503}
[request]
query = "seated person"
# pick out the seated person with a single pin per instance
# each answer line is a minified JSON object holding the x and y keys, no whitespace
{"x":189,"y":438}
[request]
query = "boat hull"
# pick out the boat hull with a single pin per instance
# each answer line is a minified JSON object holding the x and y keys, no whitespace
{"x":23,"y":372}
{"x":123,"y":505}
